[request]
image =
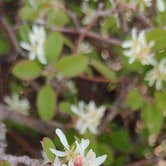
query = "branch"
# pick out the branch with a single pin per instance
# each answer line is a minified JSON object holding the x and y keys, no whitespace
{"x":15,"y":160}
{"x":46,"y":128}
{"x":9,"y":34}
{"x":90,"y":35}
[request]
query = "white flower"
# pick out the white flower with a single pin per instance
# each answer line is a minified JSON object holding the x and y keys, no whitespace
{"x":68,"y":153}
{"x":89,"y":13}
{"x":91,"y":160}
{"x":14,"y":103}
{"x":36,"y":46}
{"x":157,"y":75}
{"x":85,"y":47}
{"x":45,"y":158}
{"x":160,"y":5}
{"x":89,"y":116}
{"x":75,"y":155}
{"x":57,"y":162}
{"x":33,"y":4}
{"x":138,"y":49}
{"x":143,"y":4}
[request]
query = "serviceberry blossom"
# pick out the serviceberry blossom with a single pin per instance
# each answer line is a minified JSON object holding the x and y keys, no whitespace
{"x":89,"y":116}
{"x":157,"y":75}
{"x":35,"y":46}
{"x":33,"y":4}
{"x":138,"y":49}
{"x":85,"y":47}
{"x":160,"y":5}
{"x":89,"y":13}
{"x":14,"y":103}
{"x":75,"y":155}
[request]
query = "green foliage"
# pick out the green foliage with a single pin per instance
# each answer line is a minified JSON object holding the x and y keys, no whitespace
{"x":57,"y":17}
{"x":53,"y":47}
{"x":101,"y":68}
{"x":71,"y":66}
{"x":136,"y":114}
{"x":24,"y":32}
{"x":27,"y":13}
{"x":4,"y":163}
{"x":46,"y":103}
{"x":134,"y":99}
{"x":26,"y":70}
{"x":157,"y":35}
{"x":47,"y":144}
{"x":153,"y":118}
{"x":119,"y":139}
{"x":4,"y":45}
{"x":65,"y":106}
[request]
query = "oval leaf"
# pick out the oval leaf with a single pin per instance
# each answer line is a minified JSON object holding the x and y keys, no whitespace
{"x":102,"y":69}
{"x":71,"y":66}
{"x":47,"y":144}
{"x":27,"y":70}
{"x":46,"y":101}
{"x":53,"y":46}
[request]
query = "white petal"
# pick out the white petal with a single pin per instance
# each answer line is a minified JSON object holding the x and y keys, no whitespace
{"x":160,"y":5}
{"x":31,"y":55}
{"x":71,"y":163}
{"x":158,"y":84}
{"x":99,"y":160}
{"x":134,"y":33}
{"x":41,"y":56}
{"x":25,"y":45}
{"x":127,"y":44}
{"x":57,"y":162}
{"x":74,"y":109}
{"x":62,"y":138}
{"x":58,"y":153}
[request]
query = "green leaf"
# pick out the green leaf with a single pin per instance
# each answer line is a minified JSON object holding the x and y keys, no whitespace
{"x":134,"y":99}
{"x":105,"y":149}
{"x":26,"y":13}
{"x":47,"y":144}
{"x":160,"y":100}
{"x":158,"y":36}
{"x":57,"y":17}
{"x":120,"y":140}
{"x":71,"y":66}
{"x":24,"y":32}
{"x":27,"y":70}
{"x":153,"y":118}
{"x":65,"y":106}
{"x":53,"y":46}
{"x":4,"y":163}
{"x":4,"y":45}
{"x":104,"y":70}
{"x":46,"y":102}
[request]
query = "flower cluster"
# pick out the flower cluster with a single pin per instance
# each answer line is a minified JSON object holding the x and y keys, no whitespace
{"x":142,"y":4}
{"x":35,"y":46}
{"x":88,"y":11}
{"x":89,"y":116}
{"x":157,"y":75}
{"x":75,"y":155}
{"x":14,"y":103}
{"x":138,"y":49}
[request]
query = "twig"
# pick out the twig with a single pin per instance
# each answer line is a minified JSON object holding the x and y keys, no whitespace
{"x":118,"y":103}
{"x":90,"y":35}
{"x":15,"y":160}
{"x":46,"y":128}
{"x":9,"y":34}
{"x":95,"y":79}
